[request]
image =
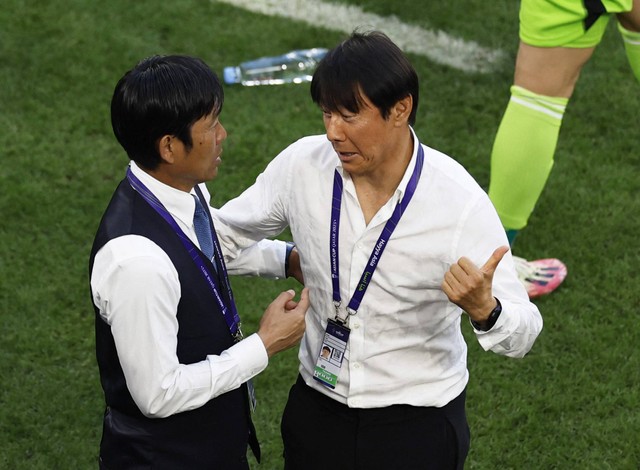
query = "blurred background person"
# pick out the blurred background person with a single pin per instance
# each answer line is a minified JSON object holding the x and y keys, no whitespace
{"x":557,"y":37}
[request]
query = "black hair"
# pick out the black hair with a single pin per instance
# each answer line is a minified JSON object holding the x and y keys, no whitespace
{"x":366,"y":63}
{"x":162,"y":95}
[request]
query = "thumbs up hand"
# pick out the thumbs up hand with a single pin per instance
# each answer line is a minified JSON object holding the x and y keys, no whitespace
{"x":469,"y":287}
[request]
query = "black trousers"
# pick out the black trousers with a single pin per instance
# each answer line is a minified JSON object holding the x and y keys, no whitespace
{"x":320,"y":433}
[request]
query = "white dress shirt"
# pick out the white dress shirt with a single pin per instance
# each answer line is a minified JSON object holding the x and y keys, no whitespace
{"x":136,"y":288}
{"x":406,"y":345}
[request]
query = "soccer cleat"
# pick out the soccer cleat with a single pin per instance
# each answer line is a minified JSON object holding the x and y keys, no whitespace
{"x":541,"y":276}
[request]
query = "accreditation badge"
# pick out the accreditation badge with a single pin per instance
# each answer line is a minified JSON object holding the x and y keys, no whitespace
{"x":334,"y":345}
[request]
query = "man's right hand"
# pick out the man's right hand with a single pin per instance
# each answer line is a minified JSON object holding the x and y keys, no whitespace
{"x":282,"y":325}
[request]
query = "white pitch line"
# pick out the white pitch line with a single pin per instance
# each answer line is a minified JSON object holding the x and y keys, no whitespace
{"x":440,"y":47}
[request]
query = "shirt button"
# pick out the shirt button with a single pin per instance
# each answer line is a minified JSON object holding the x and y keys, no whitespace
{"x":356,"y":365}
{"x":356,"y":326}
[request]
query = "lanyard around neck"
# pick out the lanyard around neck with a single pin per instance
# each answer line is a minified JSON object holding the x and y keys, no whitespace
{"x":229,"y":313}
{"x":380,"y":245}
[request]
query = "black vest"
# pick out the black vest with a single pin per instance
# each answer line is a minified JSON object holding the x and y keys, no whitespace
{"x":211,"y":437}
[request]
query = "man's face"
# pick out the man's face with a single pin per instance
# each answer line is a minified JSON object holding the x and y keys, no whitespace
{"x":200,"y":163}
{"x":363,"y":141}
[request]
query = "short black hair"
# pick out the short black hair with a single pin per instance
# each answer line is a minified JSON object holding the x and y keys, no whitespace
{"x":369,"y":63}
{"x":162,"y":95}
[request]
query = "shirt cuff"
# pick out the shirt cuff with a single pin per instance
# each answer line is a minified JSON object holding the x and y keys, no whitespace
{"x":251,"y":353}
{"x":265,"y":259}
{"x":275,"y":254}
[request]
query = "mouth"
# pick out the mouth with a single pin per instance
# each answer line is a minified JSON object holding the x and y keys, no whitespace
{"x":345,"y":156}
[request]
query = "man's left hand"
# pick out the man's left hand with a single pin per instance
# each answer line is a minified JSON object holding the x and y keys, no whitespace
{"x":469,"y":287}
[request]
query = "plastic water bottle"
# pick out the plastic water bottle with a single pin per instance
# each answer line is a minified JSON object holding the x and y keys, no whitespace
{"x":292,"y":67}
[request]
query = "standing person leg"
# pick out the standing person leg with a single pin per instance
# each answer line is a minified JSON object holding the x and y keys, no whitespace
{"x":320,"y":433}
{"x":557,"y":39}
{"x":317,"y":431}
{"x":524,"y":148}
{"x":403,"y":437}
{"x":629,"y":27}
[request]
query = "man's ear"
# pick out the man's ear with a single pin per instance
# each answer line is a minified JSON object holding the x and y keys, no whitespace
{"x":402,"y":110}
{"x":167,"y":148}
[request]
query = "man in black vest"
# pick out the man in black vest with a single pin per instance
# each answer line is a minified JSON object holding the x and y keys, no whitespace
{"x":173,"y":365}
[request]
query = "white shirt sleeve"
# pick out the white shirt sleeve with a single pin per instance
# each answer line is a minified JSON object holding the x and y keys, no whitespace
{"x":244,"y":257}
{"x":246,"y":252}
{"x":137,"y":290}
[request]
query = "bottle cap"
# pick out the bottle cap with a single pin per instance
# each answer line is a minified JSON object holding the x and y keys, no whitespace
{"x":231,"y":75}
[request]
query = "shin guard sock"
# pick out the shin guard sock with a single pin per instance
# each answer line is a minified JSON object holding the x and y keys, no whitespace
{"x":522,"y":155}
{"x":511,"y":236}
{"x":632,"y":47}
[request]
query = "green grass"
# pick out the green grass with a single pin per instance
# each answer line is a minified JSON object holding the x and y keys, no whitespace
{"x":571,"y":404}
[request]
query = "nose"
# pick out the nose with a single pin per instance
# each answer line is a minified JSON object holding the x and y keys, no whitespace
{"x":333,"y":125}
{"x":222,"y":132}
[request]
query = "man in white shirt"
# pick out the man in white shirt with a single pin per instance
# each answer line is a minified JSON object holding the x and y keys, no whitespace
{"x":173,"y":365}
{"x":395,"y":240}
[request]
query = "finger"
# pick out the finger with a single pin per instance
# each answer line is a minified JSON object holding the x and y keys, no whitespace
{"x":455,"y":271}
{"x":446,"y":287}
{"x":284,"y":298}
{"x":492,"y":263}
{"x":303,"y":303}
{"x":304,"y":296}
{"x":452,"y":283}
{"x":465,"y":266}
{"x":450,"y":287}
{"x":464,"y":274}
{"x":451,"y":279}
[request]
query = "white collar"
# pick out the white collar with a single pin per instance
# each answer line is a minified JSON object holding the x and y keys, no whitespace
{"x":179,"y":204}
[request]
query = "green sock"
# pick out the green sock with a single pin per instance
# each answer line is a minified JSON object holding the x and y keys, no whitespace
{"x":511,"y":236}
{"x":522,"y":155}
{"x":632,"y":47}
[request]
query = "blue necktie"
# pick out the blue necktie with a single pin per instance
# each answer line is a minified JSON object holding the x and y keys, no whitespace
{"x":203,"y":229}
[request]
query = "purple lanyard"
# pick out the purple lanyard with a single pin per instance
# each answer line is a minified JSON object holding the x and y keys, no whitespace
{"x":231,"y":313}
{"x":380,"y":245}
